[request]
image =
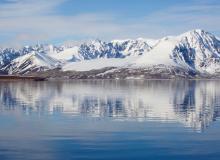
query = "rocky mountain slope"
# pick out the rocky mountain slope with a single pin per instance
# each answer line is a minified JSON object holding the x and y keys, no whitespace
{"x":194,"y":53}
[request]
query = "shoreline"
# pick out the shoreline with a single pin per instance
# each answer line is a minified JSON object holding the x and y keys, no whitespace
{"x":38,"y":78}
{"x":17,"y":77}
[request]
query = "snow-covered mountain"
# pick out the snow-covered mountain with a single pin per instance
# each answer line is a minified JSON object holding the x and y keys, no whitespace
{"x":196,"y":51}
{"x":7,"y":55}
{"x":34,"y":61}
{"x":99,"y":49}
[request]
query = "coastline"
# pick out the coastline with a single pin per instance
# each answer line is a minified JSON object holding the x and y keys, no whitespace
{"x":18,"y":77}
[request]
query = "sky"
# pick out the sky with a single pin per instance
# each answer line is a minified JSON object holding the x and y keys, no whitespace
{"x":27,"y":22}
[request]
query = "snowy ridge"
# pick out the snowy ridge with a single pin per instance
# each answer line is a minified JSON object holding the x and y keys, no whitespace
{"x":32,"y":62}
{"x":195,"y":51}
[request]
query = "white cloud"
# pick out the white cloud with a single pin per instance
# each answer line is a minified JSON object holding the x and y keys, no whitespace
{"x":30,"y":21}
{"x":28,"y":8}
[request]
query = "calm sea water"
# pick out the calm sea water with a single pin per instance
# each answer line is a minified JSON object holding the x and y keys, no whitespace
{"x":154,"y":120}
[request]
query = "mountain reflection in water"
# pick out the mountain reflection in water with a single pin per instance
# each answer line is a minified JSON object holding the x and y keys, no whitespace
{"x":195,"y":104}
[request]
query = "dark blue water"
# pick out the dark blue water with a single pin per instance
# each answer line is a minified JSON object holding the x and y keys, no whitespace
{"x":151,"y":120}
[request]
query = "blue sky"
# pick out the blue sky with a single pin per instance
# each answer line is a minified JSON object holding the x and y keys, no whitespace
{"x":24,"y":22}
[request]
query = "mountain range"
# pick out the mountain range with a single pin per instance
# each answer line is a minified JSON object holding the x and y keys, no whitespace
{"x":195,"y":53}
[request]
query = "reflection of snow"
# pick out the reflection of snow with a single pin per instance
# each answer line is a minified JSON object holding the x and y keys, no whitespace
{"x":192,"y":103}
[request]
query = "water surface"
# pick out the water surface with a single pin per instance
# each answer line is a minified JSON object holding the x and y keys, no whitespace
{"x":104,"y":119}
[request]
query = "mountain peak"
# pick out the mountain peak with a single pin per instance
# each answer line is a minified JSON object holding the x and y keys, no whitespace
{"x":192,"y":32}
{"x":196,"y":33}
{"x":199,"y":31}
